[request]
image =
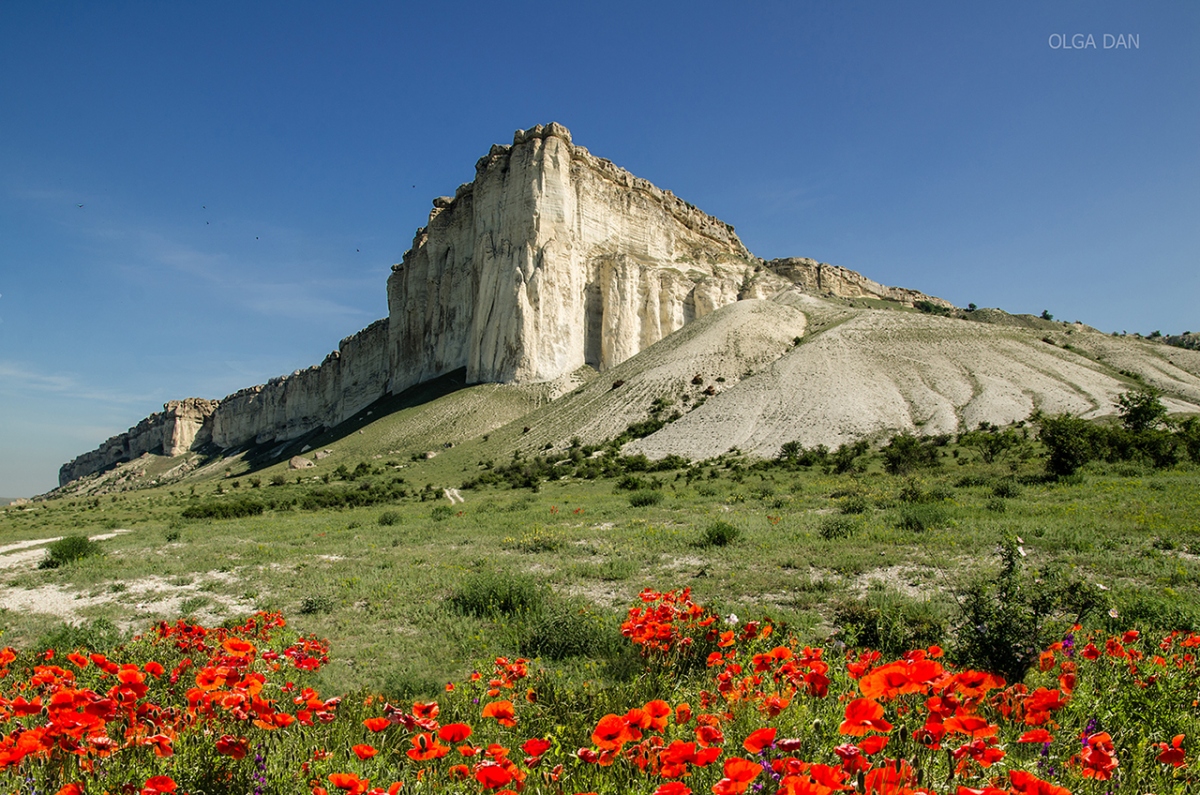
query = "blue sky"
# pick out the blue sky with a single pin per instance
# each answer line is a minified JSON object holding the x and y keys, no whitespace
{"x":249,"y":171}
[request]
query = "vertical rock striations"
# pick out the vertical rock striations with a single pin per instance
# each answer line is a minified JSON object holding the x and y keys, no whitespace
{"x":182,"y":425}
{"x":350,"y":379}
{"x":550,"y":260}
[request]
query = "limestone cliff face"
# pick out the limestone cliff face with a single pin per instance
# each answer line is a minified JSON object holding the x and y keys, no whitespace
{"x":552,"y":259}
{"x":819,"y":278}
{"x":182,"y":425}
{"x":549,"y":260}
{"x":350,"y":378}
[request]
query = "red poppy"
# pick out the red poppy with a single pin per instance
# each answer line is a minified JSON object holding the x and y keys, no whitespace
{"x":611,"y":733}
{"x":502,"y":711}
{"x":971,"y":725}
{"x":760,"y":739}
{"x":673,"y":788}
{"x":153,"y":668}
{"x":1097,"y":759}
{"x":350,"y":782}
{"x":79,"y":661}
{"x":1036,"y":736}
{"x":864,"y":715}
{"x":159,"y":784}
{"x":377,"y":724}
{"x":238,"y":647}
{"x":536,"y":746}
{"x":74,"y":788}
{"x":738,"y":775}
{"x":454,"y":732}
{"x":1024,"y":783}
{"x":363,"y":751}
{"x":659,"y":713}
{"x":1172,"y":754}
{"x":683,"y":713}
{"x":492,"y":775}
{"x":425,"y":710}
{"x":236,"y":747}
{"x":426,"y":748}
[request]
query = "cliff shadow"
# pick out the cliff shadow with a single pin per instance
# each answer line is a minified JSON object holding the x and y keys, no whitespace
{"x":269,"y":453}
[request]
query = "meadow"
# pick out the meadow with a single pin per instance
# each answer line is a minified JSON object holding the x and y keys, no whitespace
{"x":415,"y":593}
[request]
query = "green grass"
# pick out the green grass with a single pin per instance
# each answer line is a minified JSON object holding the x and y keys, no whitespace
{"x":380,"y":580}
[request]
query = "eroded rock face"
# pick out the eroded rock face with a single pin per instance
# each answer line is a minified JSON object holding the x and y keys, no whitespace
{"x":549,"y":260}
{"x":182,"y":425}
{"x":552,"y":259}
{"x":820,"y":278}
{"x":350,"y":379}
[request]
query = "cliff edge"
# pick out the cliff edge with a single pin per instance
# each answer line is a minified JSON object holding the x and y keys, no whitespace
{"x":551,"y":259}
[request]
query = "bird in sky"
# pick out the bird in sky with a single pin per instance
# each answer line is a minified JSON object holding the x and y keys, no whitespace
{"x":78,"y":205}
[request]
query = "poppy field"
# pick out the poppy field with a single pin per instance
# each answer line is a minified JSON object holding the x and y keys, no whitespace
{"x":720,"y":705}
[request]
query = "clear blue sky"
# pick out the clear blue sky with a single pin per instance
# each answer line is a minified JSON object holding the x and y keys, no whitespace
{"x":249,"y":171}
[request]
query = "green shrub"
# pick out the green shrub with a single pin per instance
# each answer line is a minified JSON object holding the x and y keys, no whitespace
{"x":278,"y":479}
{"x":1070,"y":443}
{"x":497,"y":594}
{"x":905,"y":452}
{"x":568,"y":630}
{"x":224,"y":509}
{"x":996,"y":505}
{"x":68,"y":550}
{"x":719,"y":534}
{"x":921,"y":517}
{"x":1007,"y":619}
{"x":834,"y":527}
{"x":643,"y":499}
{"x":854,"y":504}
{"x":1006,"y":489}
{"x":89,"y":636}
{"x":311,"y":605}
{"x":890,"y":623}
{"x":389,"y":518}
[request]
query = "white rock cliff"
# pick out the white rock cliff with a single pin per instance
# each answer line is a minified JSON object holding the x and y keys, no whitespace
{"x":550,"y":260}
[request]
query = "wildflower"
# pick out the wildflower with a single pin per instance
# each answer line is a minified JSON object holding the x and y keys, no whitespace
{"x":1172,"y":754}
{"x":235,"y":747}
{"x":1097,"y":759}
{"x":363,"y":751}
{"x":377,"y":724}
{"x":502,"y":711}
{"x":492,"y":775}
{"x":760,"y":739}
{"x":739,"y":773}
{"x":1036,"y":736}
{"x":350,"y":782}
{"x":863,"y":715}
{"x":612,"y":732}
{"x":424,"y":748}
{"x":1024,"y":783}
{"x":454,"y":732}
{"x":155,"y":785}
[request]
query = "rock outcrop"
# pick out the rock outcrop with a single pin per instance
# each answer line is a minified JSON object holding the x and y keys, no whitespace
{"x":549,"y":260}
{"x":820,"y":278}
{"x":182,"y":425}
{"x":350,"y":379}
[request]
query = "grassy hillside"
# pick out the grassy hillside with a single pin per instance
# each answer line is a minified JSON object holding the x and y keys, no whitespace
{"x":810,"y":546}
